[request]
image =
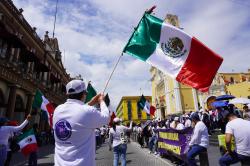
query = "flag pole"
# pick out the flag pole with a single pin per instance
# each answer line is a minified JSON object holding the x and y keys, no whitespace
{"x":112,"y":72}
{"x":149,"y":11}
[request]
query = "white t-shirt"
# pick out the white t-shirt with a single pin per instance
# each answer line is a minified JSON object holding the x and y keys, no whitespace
{"x":103,"y":130}
{"x":74,"y":127}
{"x":180,"y":126}
{"x":97,"y":132}
{"x":200,"y":135}
{"x":172,"y":125}
{"x":188,"y":123}
{"x":118,"y":136}
{"x":240,"y":129}
{"x":7,"y":131}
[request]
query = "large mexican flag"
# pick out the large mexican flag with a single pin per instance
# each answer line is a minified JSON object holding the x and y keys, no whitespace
{"x":174,"y":52}
{"x":27,"y":142}
{"x":43,"y":103}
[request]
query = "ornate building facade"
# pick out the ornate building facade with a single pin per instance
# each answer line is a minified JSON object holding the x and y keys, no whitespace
{"x":172,"y":97}
{"x":27,"y":63}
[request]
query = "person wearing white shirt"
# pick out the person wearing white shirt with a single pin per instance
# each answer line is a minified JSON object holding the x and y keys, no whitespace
{"x":239,"y":129}
{"x":199,"y":140}
{"x":188,"y":122}
{"x":5,"y":133}
{"x":119,"y":141}
{"x":74,"y":125}
{"x":180,"y":126}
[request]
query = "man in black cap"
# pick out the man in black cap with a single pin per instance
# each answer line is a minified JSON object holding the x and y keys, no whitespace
{"x":199,"y":141}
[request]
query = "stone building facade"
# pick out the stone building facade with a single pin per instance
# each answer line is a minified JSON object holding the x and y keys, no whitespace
{"x":27,"y":63}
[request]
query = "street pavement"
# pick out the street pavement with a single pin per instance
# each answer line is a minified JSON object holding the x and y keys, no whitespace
{"x":136,"y":156}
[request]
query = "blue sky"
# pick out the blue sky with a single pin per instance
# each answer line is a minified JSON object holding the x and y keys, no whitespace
{"x":94,"y":32}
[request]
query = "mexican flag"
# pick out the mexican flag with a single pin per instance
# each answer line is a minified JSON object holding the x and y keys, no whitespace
{"x":43,"y":103}
{"x":174,"y":52}
{"x":112,"y":112}
{"x":145,"y":106}
{"x":91,"y":92}
{"x":27,"y":142}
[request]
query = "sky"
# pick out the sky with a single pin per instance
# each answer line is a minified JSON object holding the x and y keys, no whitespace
{"x":93,"y":33}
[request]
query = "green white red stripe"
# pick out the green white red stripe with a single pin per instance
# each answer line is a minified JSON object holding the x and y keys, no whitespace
{"x":27,"y":142}
{"x":145,"y":106}
{"x":174,"y":52}
{"x":40,"y":101}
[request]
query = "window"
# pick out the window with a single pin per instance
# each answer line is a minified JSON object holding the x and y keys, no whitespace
{"x":19,"y":105}
{"x":3,"y":48}
{"x":129,"y":110}
{"x":138,"y":112}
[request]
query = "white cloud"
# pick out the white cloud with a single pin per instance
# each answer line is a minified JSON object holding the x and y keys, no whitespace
{"x":94,"y":32}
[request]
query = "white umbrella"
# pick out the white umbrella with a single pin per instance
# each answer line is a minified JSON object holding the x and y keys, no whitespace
{"x":240,"y":100}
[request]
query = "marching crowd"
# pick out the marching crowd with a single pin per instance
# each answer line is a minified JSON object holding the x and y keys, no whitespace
{"x":230,"y":120}
{"x":78,"y":129}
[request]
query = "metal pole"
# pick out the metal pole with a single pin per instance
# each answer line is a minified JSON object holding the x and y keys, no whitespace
{"x":112,"y":72}
{"x":149,"y":12}
{"x":55,"y":20}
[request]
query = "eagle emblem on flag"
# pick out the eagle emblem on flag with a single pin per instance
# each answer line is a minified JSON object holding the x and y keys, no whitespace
{"x":173,"y":48}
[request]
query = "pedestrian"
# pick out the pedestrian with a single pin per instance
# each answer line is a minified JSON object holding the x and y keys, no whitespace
{"x":6,"y":132}
{"x":206,"y":119}
{"x":103,"y":133}
{"x":188,"y":122}
{"x":246,"y":113}
{"x":239,"y":129}
{"x":153,"y":139}
{"x":199,"y":140}
{"x":119,"y":141}
{"x":98,"y":137}
{"x":140,"y":135}
{"x":74,"y":125}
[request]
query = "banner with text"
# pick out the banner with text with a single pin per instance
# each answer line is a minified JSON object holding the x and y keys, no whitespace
{"x":174,"y":141}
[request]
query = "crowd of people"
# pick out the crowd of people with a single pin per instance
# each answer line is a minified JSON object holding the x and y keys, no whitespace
{"x":204,"y":123}
{"x":79,"y":129}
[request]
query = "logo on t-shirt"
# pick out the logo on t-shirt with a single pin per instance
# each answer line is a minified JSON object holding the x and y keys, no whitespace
{"x":63,"y":130}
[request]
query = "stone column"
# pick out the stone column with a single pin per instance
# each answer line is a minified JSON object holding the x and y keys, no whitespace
{"x":177,"y":97}
{"x":30,"y":97}
{"x":167,"y":93}
{"x":196,"y":106}
{"x":11,"y":101}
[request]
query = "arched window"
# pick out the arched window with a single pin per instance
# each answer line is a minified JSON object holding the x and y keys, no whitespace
{"x":1,"y":99}
{"x":19,"y":106}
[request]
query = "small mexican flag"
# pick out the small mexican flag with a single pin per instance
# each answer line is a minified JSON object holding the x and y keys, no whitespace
{"x":145,"y":106}
{"x":27,"y":142}
{"x":91,"y":92}
{"x":41,"y":102}
{"x":174,"y":52}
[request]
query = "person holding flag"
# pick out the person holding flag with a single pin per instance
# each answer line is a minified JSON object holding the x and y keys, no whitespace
{"x":118,"y":139}
{"x":6,"y":132}
{"x":74,"y":125}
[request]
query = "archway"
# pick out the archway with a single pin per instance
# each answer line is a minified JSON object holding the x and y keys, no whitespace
{"x":19,"y":111}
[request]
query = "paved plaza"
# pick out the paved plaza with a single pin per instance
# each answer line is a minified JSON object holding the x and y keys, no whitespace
{"x":136,"y":156}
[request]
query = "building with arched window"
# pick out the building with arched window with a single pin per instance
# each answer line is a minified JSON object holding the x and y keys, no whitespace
{"x":27,"y":63}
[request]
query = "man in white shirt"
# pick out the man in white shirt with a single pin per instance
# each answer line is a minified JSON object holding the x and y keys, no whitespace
{"x":74,"y":126}
{"x":239,"y":129}
{"x":199,"y":140}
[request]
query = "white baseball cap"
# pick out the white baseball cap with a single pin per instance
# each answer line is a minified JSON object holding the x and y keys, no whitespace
{"x":117,"y":119}
{"x":75,"y":86}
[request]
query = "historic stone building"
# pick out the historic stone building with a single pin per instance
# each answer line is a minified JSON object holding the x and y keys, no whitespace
{"x":27,"y":63}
